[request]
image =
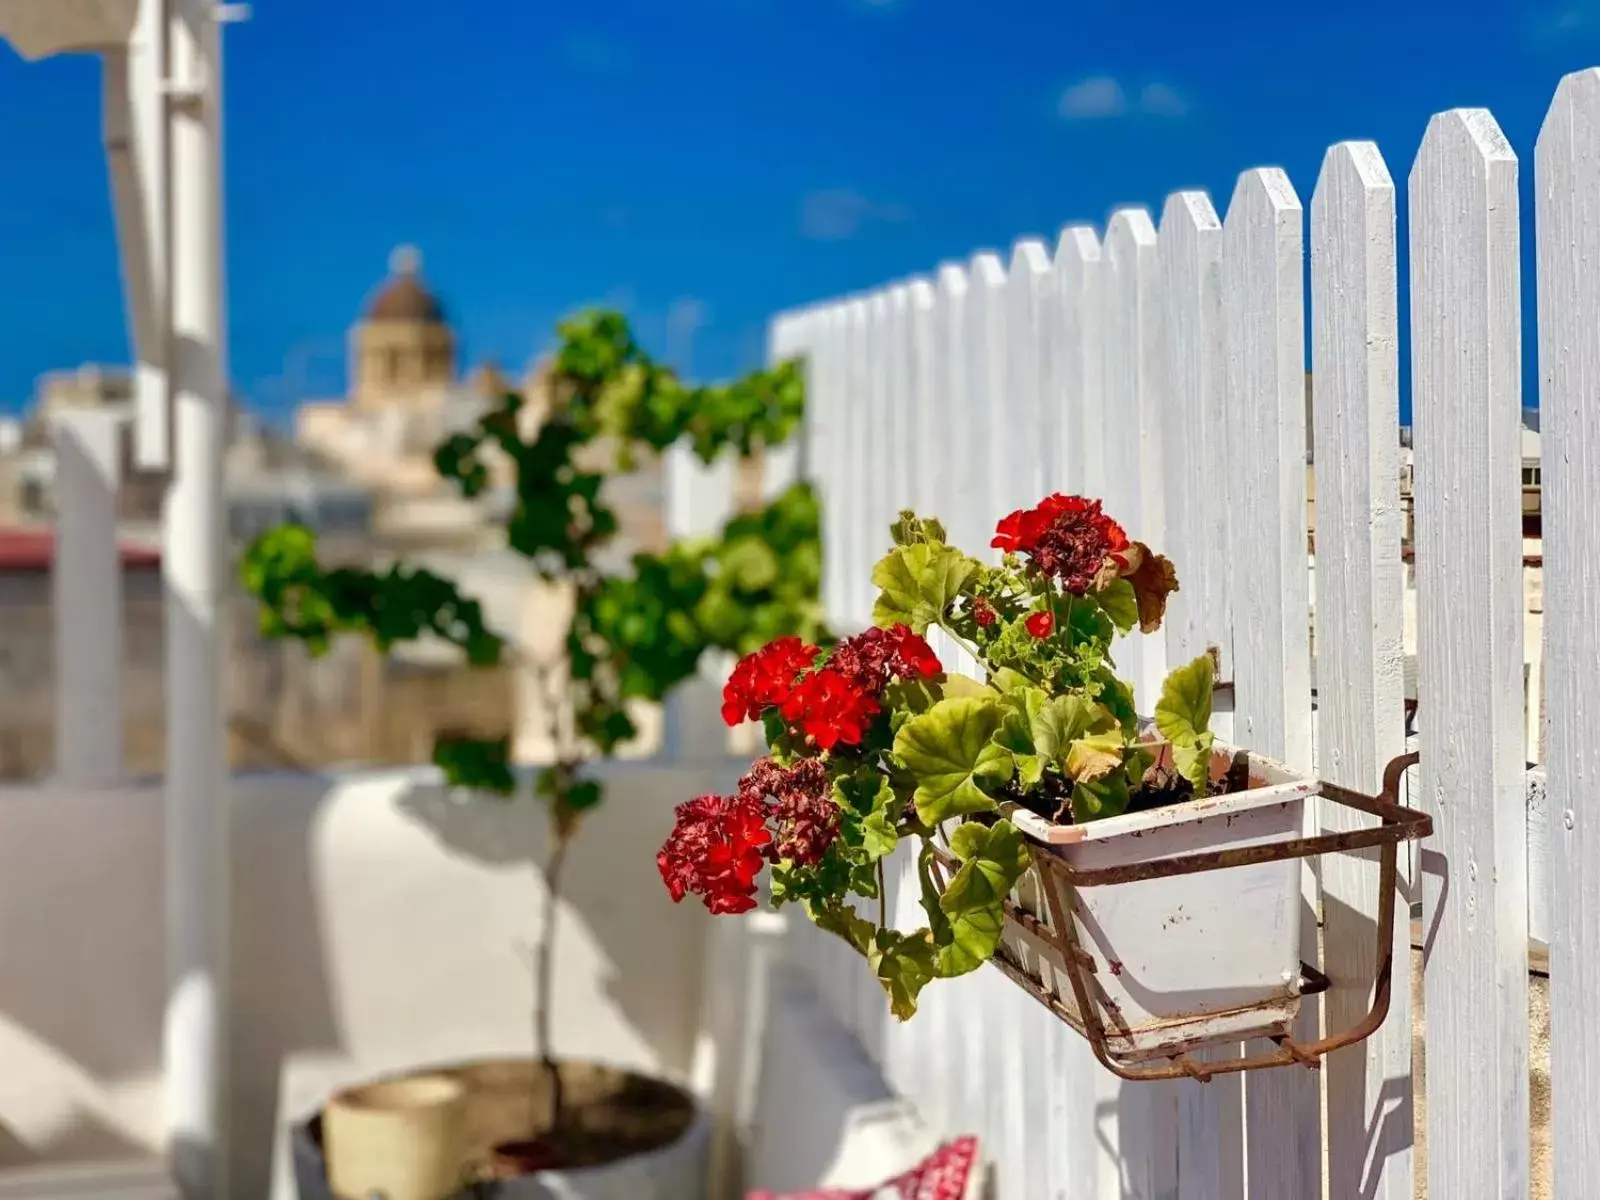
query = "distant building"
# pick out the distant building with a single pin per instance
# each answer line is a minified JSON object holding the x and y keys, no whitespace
{"x":406,"y":397}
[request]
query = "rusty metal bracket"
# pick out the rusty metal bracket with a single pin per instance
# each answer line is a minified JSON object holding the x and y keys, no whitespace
{"x":1398,"y":823}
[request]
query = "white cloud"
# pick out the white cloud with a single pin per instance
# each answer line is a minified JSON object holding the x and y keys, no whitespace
{"x":837,"y":214}
{"x":1102,"y":97}
{"x":1162,"y":100}
{"x":1092,"y":99}
{"x":1558,"y":26}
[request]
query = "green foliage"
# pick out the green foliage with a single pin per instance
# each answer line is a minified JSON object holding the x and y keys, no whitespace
{"x":949,"y":758}
{"x":633,"y":635}
{"x":1183,"y":717}
{"x":919,"y":582}
{"x":952,"y":752}
{"x":993,"y":859}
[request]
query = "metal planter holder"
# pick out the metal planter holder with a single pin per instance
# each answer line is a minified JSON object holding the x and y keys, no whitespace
{"x":1100,"y":1022}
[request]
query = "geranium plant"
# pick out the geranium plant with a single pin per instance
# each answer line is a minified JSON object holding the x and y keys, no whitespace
{"x":871,"y":742}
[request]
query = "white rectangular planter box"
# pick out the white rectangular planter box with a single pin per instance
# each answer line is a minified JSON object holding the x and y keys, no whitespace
{"x":1180,"y":961}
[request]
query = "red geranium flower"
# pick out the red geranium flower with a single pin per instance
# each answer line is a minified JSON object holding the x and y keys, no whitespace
{"x":873,"y":657}
{"x":913,"y":657}
{"x":830,"y":709}
{"x":1039,"y":624}
{"x":983,"y":613}
{"x":764,"y":679}
{"x":1067,"y":537}
{"x":799,"y":801}
{"x":717,"y":847}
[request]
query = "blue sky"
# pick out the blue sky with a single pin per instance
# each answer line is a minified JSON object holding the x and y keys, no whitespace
{"x":703,"y":163}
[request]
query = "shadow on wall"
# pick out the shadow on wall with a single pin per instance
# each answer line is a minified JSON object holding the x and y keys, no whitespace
{"x":615,"y":913}
{"x":81,"y":992}
{"x":378,"y":922}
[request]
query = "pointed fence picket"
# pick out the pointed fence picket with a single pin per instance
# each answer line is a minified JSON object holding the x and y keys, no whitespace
{"x":1466,"y":396}
{"x":1164,"y":371}
{"x":1567,"y":178}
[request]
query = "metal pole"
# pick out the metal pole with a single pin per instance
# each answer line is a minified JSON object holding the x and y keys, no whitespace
{"x":197,"y":796}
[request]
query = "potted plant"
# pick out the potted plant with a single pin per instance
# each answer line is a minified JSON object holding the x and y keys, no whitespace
{"x":1019,"y":790}
{"x":575,"y":1129}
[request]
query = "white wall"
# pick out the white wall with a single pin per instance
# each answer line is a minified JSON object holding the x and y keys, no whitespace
{"x":378,"y":923}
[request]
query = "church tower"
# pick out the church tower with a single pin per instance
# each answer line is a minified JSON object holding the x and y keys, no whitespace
{"x":402,"y":351}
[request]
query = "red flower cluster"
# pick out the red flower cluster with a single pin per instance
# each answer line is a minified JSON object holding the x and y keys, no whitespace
{"x":835,"y":704}
{"x":719,"y":844}
{"x":983,"y":612}
{"x":765,"y":679}
{"x":800,"y":803}
{"x":1039,"y":624}
{"x":871,"y":658}
{"x":830,"y":710}
{"x":1067,"y":537}
{"x":716,"y":849}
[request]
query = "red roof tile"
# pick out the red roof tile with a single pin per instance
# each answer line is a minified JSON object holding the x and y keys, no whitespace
{"x":35,"y":550}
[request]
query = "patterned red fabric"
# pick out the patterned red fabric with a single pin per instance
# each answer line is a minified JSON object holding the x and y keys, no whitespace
{"x":943,"y":1175}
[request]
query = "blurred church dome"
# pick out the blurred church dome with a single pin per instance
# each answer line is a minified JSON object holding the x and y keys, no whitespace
{"x":404,"y":296}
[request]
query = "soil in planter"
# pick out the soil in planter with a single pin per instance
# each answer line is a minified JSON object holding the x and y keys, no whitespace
{"x":609,"y":1115}
{"x":1160,"y":788}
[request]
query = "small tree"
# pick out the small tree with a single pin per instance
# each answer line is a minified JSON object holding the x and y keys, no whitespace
{"x":633,"y":635}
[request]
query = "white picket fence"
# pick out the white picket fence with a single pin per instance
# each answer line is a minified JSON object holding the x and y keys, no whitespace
{"x":1161,"y":368}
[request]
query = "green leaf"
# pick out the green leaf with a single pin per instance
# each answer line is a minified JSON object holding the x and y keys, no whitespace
{"x":909,"y":529}
{"x":951,"y":752}
{"x":1103,"y":798}
{"x":1117,"y":698}
{"x":1120,"y":604}
{"x":918,"y":583}
{"x":1184,"y":711}
{"x":751,"y":564}
{"x":878,"y":835}
{"x":869,"y":794}
{"x":1040,"y":728}
{"x":937,"y":921}
{"x":904,"y":964}
{"x":841,"y":920}
{"x":1008,"y":681}
{"x":994,"y":857}
{"x":1194,"y":762}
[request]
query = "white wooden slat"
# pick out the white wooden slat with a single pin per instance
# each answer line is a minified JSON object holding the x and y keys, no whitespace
{"x":1210,"y":1116}
{"x":925,"y":486}
{"x":794,"y":336}
{"x":1194,"y":385}
{"x":854,"y":467}
{"x":952,"y":405}
{"x":1466,"y":366}
{"x":1129,"y":346}
{"x":1079,"y":286}
{"x":879,"y":510}
{"x":1360,"y":656}
{"x":1567,"y":173}
{"x":988,"y":401}
{"x":1020,"y":445}
{"x":1053,"y":413}
{"x":959,"y":468}
{"x":826,"y":433}
{"x":902,"y":414}
{"x":1264,"y":324}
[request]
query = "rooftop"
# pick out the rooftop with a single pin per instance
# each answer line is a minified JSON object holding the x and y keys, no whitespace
{"x":35,"y":550}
